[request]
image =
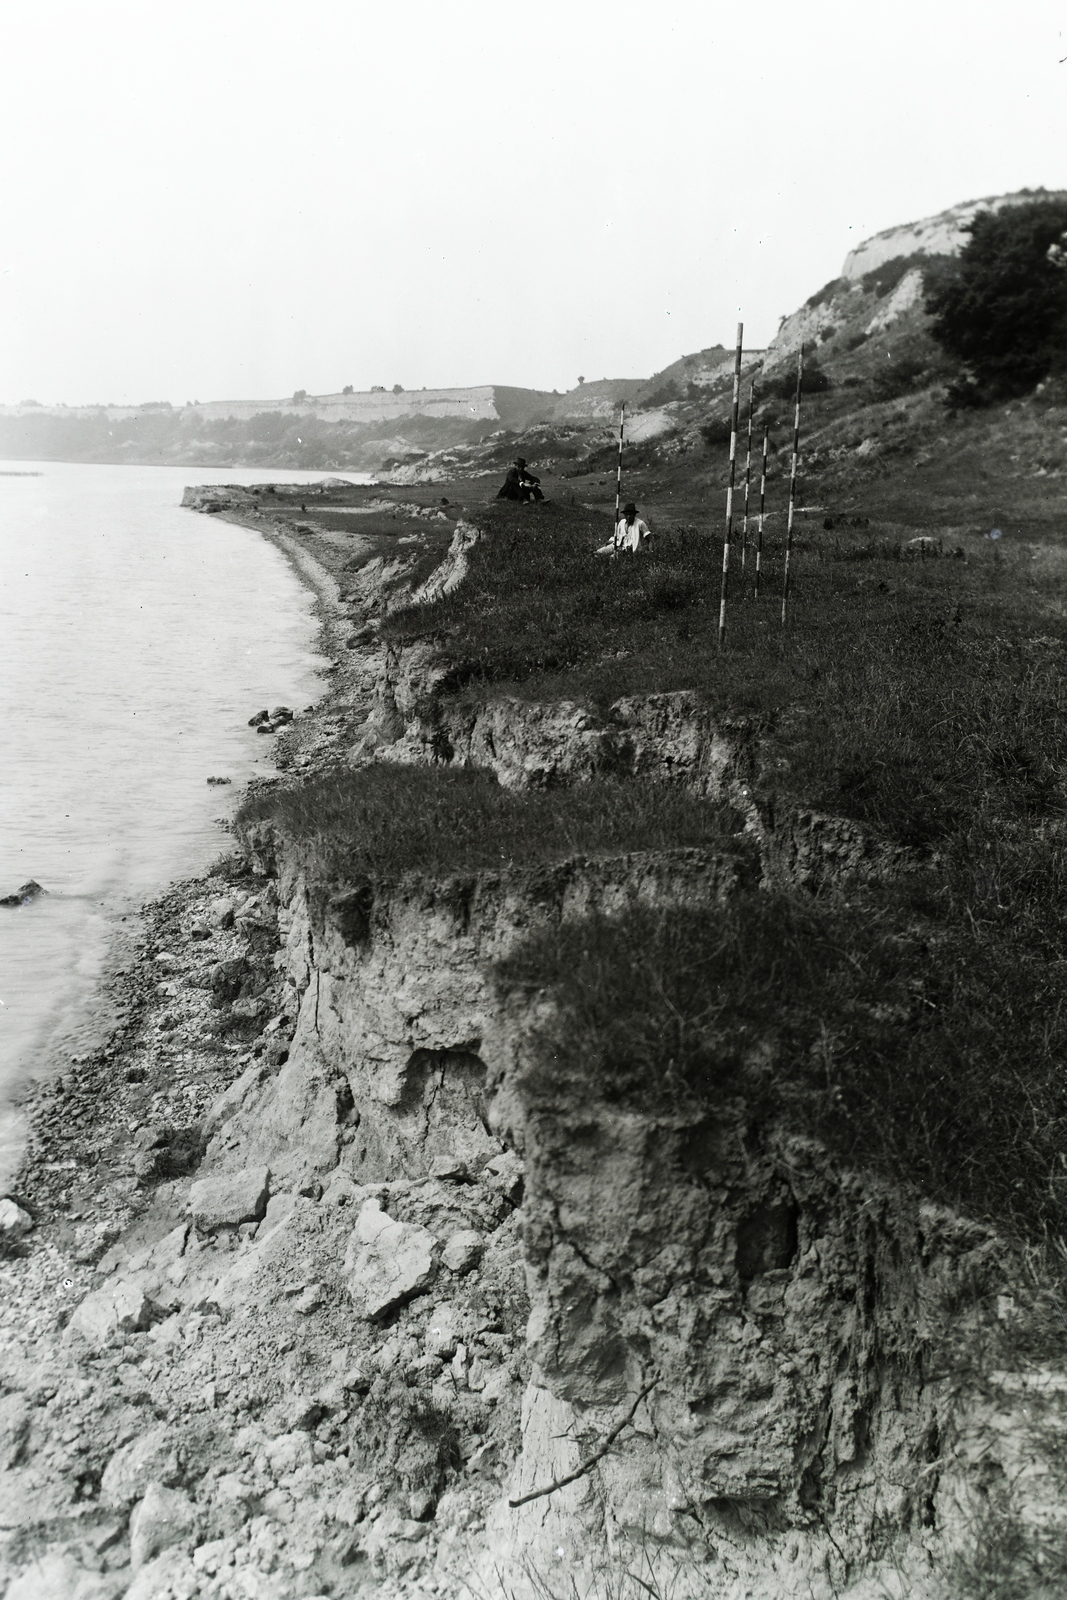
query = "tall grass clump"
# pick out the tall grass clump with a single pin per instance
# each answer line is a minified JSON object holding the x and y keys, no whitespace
{"x":931,"y":1055}
{"x":383,"y":822}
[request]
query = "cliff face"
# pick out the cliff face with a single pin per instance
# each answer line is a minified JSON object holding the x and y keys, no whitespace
{"x":414,"y":1306}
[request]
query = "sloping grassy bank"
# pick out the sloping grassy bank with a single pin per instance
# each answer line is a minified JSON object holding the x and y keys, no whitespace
{"x":918,"y":1027}
{"x":904,"y":1043}
{"x":920,"y":694}
{"x":384,"y":822}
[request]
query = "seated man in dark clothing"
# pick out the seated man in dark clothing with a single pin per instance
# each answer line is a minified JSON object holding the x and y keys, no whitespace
{"x":520,"y":484}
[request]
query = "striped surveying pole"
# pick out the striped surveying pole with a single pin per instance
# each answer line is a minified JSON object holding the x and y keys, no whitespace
{"x":748,"y":473}
{"x":730,"y":488}
{"x":618,"y":472}
{"x":792,"y":487}
{"x":759,"y":524}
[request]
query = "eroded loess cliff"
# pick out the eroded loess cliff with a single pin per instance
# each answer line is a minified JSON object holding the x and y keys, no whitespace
{"x":449,"y":1289}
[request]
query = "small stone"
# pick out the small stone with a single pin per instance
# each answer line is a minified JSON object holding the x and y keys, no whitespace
{"x":199,"y":930}
{"x":421,"y":1505}
{"x":505,"y":1174}
{"x":311,"y":1299}
{"x":281,"y":714}
{"x":14,"y":1222}
{"x":260,"y":716}
{"x":441,"y":1333}
{"x":218,"y":782}
{"x":163,"y":1519}
{"x":463,"y":1250}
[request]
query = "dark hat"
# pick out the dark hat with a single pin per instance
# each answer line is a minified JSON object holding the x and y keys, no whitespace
{"x":520,"y":461}
{"x":629,"y":506}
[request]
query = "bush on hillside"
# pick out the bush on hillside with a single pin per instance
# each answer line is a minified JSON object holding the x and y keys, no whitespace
{"x":1000,"y":308}
{"x":882,"y":280}
{"x":716,"y":432}
{"x":783,"y":385}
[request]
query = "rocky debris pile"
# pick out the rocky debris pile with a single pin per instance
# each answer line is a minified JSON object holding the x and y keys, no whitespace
{"x":252,"y":1404}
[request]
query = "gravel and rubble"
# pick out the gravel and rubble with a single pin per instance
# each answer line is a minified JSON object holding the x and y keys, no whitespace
{"x":200,"y":1396}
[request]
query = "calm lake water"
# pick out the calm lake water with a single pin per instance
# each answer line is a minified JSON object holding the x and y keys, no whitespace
{"x":136,"y":639}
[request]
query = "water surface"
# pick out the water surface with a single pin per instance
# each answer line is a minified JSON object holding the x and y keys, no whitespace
{"x":136,"y":639}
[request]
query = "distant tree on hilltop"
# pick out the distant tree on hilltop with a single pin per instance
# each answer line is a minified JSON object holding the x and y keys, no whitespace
{"x":1000,"y":307}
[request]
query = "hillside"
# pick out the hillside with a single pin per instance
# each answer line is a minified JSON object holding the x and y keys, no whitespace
{"x":601,"y":1132}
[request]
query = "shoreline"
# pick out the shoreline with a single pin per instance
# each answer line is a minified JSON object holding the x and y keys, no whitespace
{"x":126,"y":961}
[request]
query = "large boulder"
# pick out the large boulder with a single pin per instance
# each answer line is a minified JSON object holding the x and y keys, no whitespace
{"x":163,"y":1519}
{"x":229,"y":1199}
{"x":387,"y":1262}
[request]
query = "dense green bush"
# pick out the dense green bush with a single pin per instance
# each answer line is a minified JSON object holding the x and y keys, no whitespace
{"x":1000,"y":308}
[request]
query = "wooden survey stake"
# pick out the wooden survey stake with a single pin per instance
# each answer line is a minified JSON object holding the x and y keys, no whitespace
{"x":792,"y":487}
{"x":724,"y":587}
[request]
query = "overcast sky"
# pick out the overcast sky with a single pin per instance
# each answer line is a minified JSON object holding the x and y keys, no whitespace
{"x":228,"y":199}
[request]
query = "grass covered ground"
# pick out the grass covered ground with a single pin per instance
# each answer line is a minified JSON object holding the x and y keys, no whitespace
{"x":383,"y":822}
{"x":908,"y":1042}
{"x":911,"y":695}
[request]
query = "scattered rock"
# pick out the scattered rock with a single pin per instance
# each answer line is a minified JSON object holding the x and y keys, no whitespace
{"x":505,"y":1173}
{"x":463,"y":1250}
{"x":118,"y":1308}
{"x":281,"y":714}
{"x":288,"y":1452}
{"x":163,"y":1519}
{"x":442,"y":1334}
{"x":57,"y":1576}
{"x":14,"y":1222}
{"x":218,"y":782}
{"x":421,"y":1505}
{"x":387,"y":1262}
{"x":153,"y":1458}
{"x":226,"y":978}
{"x":229,"y":1199}
{"x":310,"y":1300}
{"x":220,"y":913}
{"x":260,"y":716}
{"x":14,"y":1425}
{"x":22,"y":897}
{"x":167,"y":1577}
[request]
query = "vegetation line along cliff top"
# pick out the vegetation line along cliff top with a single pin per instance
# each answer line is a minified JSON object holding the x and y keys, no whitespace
{"x":601,"y":1133}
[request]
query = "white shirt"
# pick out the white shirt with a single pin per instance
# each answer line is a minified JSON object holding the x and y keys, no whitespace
{"x":629,"y":536}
